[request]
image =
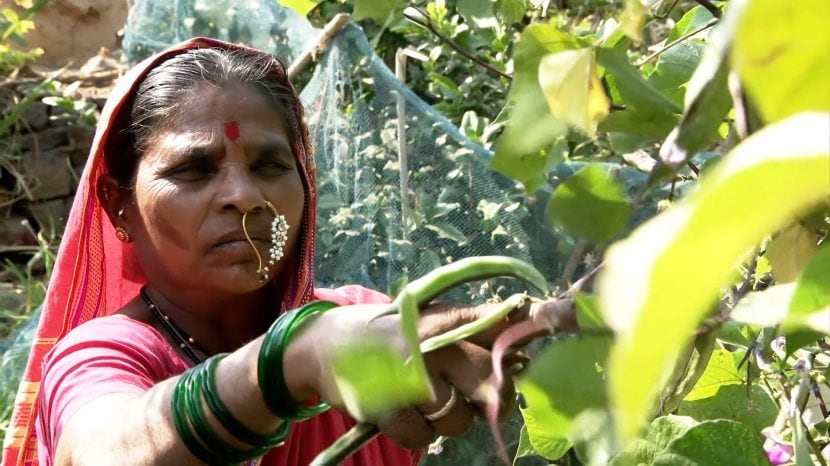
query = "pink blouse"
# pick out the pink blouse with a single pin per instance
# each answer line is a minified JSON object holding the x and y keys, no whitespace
{"x":117,"y":354}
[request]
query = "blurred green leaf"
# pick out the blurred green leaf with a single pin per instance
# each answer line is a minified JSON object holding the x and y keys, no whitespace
{"x":521,"y":151}
{"x":812,"y":292}
{"x":356,"y":367}
{"x":554,"y":401}
{"x":302,"y":7}
{"x":661,"y":432}
{"x":691,"y":20}
{"x":674,"y":68}
{"x":707,"y":99}
{"x":477,"y":12}
{"x":748,"y":405}
{"x":379,"y":11}
{"x":780,"y":53}
{"x":784,"y":167}
{"x":634,"y":90}
{"x":572,"y":89}
{"x":790,"y":251}
{"x":590,"y":204}
{"x":510,"y":11}
{"x":524,"y":448}
{"x":588,"y":314}
{"x":632,"y":19}
{"x":720,"y":371}
{"x":710,"y":442}
{"x":633,"y":122}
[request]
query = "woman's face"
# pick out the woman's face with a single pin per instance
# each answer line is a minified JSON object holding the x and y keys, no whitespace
{"x":224,"y":154}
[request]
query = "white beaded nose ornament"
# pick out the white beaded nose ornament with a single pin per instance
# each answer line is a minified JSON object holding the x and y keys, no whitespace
{"x":279,"y":236}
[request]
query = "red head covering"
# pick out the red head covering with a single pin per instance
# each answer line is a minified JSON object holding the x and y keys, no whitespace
{"x":95,"y":274}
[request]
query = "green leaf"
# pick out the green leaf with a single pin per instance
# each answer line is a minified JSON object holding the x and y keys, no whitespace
{"x":661,"y":432}
{"x":693,"y":19}
{"x":720,"y":371}
{"x":715,"y":442}
{"x":590,"y":204}
{"x":651,"y":125}
{"x":790,"y":251}
{"x":674,"y":69}
{"x":572,"y":89}
{"x":780,"y":53}
{"x":707,"y":103}
{"x":659,"y":283}
{"x":632,"y":19}
{"x":477,"y":12}
{"x":812,"y":291}
{"x":748,"y":405}
{"x":554,"y":401}
{"x":510,"y":11}
{"x":521,"y":150}
{"x":801,"y":452}
{"x":524,"y":448}
{"x":588,"y":314}
{"x":379,"y":11}
{"x":635,"y":91}
{"x":447,"y":230}
{"x":356,"y":367}
{"x":302,"y":7}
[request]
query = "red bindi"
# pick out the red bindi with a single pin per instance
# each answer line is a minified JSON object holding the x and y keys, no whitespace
{"x":232,"y":130}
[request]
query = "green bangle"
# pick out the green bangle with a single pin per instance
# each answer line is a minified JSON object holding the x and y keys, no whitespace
{"x":225,"y":417}
{"x":214,"y":442}
{"x":270,"y":365}
{"x":180,"y":420}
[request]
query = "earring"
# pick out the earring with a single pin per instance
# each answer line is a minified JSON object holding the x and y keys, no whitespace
{"x":122,"y":234}
{"x":279,"y":236}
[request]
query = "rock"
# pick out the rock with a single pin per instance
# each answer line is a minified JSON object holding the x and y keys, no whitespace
{"x":80,"y":140}
{"x":44,"y":140}
{"x":74,"y":30}
{"x":14,"y":232}
{"x":50,"y":173}
{"x":50,"y":215}
{"x":12,"y":297}
{"x":35,"y":117}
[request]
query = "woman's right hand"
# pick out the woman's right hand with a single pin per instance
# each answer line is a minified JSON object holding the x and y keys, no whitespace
{"x":457,"y":372}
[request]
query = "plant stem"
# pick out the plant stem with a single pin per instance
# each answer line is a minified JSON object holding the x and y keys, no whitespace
{"x":573,"y":262}
{"x":677,"y":41}
{"x":709,"y":6}
{"x":425,"y":23}
{"x":347,"y":444}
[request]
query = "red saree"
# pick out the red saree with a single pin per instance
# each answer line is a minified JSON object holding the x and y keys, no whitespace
{"x":95,"y":275}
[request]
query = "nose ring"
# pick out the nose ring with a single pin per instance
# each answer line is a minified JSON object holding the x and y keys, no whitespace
{"x":279,"y":236}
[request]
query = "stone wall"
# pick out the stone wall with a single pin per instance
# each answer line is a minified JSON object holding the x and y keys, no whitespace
{"x":71,"y":31}
{"x":43,"y":152}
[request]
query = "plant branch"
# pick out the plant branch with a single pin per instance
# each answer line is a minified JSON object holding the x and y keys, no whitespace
{"x":573,"y":262}
{"x":423,"y":21}
{"x":709,"y":6}
{"x":680,"y":39}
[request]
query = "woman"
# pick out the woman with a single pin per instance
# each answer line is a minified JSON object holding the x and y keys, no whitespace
{"x":191,"y":232}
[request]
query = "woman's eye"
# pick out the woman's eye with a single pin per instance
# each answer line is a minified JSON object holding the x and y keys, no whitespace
{"x":271,"y":166}
{"x":192,"y":171}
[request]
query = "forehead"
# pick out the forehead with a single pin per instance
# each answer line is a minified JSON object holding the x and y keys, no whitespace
{"x":207,"y":109}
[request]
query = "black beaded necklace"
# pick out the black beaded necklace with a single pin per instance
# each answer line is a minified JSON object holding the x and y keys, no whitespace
{"x":185,"y":342}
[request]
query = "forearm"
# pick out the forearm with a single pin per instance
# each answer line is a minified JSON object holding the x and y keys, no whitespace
{"x":129,"y":429}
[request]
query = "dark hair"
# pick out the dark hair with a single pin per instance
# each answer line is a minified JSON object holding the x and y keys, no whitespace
{"x":162,"y":95}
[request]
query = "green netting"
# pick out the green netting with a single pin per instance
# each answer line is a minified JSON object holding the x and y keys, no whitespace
{"x":454,"y":205}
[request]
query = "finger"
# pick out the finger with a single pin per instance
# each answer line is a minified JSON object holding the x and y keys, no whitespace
{"x":451,"y":415}
{"x":467,"y":367}
{"x":439,"y":318}
{"x":407,"y":428}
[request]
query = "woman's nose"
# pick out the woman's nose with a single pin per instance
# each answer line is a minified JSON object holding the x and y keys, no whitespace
{"x":238,"y":189}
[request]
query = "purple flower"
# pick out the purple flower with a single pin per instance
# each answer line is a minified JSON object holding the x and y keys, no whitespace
{"x":778,"y":451}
